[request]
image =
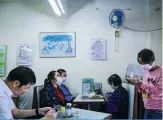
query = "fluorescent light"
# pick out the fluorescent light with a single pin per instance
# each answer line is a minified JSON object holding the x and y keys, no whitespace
{"x":61,"y":6}
{"x":55,"y":7}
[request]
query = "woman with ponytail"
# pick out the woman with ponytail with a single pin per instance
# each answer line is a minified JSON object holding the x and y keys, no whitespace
{"x":51,"y":95}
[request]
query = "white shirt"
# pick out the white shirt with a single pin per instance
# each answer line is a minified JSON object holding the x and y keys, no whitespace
{"x":6,"y":102}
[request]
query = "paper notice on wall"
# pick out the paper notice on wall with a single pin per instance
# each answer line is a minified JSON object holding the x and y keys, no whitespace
{"x":24,"y":55}
{"x":98,"y":49}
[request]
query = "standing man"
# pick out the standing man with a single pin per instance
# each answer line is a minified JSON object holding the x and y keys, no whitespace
{"x":17,"y":82}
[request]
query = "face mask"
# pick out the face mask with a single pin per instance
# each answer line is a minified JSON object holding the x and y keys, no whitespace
{"x":64,"y":79}
{"x":59,"y":81}
{"x":147,"y":66}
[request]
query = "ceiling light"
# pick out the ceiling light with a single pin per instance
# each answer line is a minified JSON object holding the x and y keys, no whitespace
{"x":55,"y":7}
{"x":61,"y":6}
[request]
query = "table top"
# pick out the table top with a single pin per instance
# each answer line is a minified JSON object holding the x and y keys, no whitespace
{"x":87,"y":114}
{"x":79,"y":99}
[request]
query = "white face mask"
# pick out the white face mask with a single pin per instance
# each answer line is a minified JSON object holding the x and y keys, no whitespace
{"x":147,"y":66}
{"x":59,"y":81}
{"x":64,"y":79}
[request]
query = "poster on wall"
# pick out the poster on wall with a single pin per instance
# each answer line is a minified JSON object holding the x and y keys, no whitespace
{"x":57,"y":44}
{"x":24,"y":55}
{"x":2,"y":60}
{"x":98,"y":49}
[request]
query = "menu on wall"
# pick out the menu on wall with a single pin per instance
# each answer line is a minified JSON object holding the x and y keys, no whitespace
{"x":24,"y":55}
{"x":2,"y":60}
{"x":98,"y":51}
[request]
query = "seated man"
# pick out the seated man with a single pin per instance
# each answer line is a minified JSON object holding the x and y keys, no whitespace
{"x":24,"y":101}
{"x":17,"y":83}
{"x":117,"y":104}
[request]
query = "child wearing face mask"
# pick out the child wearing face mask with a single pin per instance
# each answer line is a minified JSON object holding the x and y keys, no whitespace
{"x":151,"y":85}
{"x":51,"y":95}
{"x":68,"y":96}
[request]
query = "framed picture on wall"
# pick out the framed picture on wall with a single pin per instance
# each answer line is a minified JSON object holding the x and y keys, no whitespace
{"x":57,"y":44}
{"x":2,"y":60}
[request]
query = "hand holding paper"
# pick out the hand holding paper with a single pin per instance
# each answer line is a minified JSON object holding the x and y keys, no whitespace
{"x":135,"y":80}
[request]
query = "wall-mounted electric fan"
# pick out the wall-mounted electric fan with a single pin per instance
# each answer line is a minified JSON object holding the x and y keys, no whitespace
{"x":116,"y":18}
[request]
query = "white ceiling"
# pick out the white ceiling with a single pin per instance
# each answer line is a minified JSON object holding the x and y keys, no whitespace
{"x":70,"y":6}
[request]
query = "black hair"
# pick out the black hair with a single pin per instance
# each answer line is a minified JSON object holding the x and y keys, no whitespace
{"x":60,"y":71}
{"x":23,"y":74}
{"x":145,"y":56}
{"x":50,"y":77}
{"x":115,"y":80}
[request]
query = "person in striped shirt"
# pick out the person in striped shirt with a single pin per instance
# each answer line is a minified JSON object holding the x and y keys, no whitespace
{"x":151,"y":85}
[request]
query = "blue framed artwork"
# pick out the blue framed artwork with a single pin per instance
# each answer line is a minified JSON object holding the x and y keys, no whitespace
{"x":57,"y":44}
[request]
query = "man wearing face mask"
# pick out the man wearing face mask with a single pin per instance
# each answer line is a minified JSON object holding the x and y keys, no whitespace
{"x":68,"y":96}
{"x":151,"y":85}
{"x":52,"y":95}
